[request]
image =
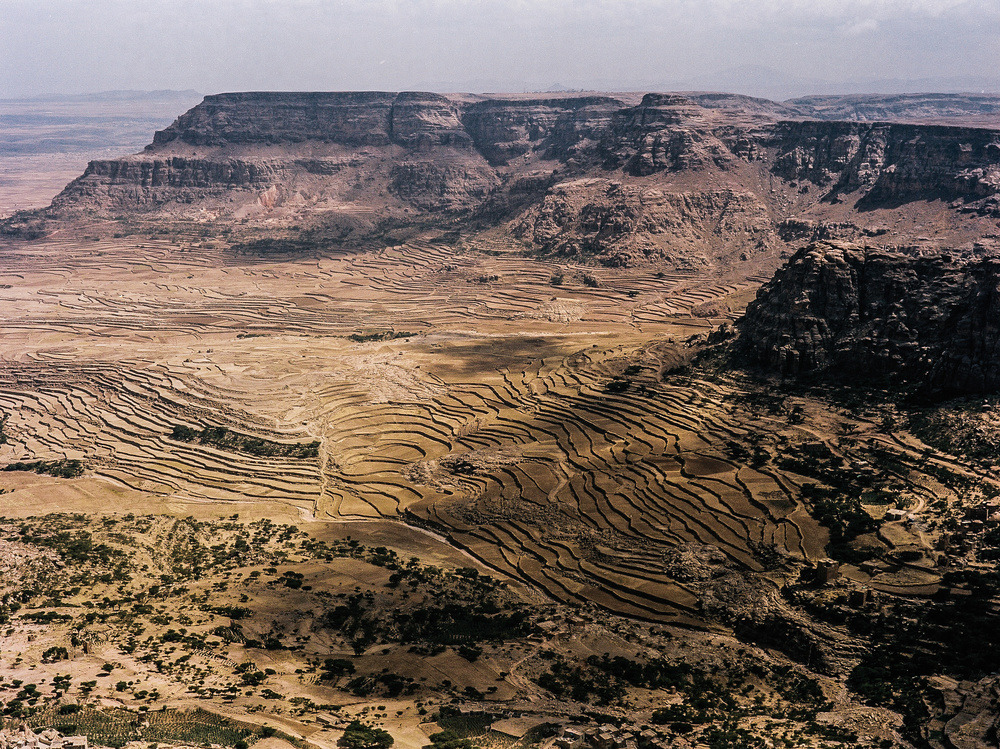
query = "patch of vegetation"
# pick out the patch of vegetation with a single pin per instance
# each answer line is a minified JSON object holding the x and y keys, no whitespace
{"x":464,"y":725}
{"x":387,"y":335}
{"x":618,"y":385}
{"x":449,"y":740}
{"x":227,"y":439}
{"x":55,"y":653}
{"x":728,"y":735}
{"x":233,"y":612}
{"x":116,"y":727}
{"x":604,"y":679}
{"x":65,"y":468}
{"x":837,"y":502}
{"x":359,"y":736}
{"x":76,"y":547}
{"x":457,"y":608}
{"x":277,"y":246}
{"x":46,"y":617}
{"x":387,"y":684}
{"x":709,"y":696}
{"x":844,"y":515}
{"x":439,"y":622}
{"x":336,"y":668}
{"x":754,"y":455}
{"x":961,"y":428}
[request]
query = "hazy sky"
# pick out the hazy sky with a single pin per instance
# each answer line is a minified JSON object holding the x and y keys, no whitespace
{"x":77,"y":46}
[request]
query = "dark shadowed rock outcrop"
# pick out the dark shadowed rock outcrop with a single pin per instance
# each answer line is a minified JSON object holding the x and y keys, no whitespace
{"x":843,"y":312}
{"x":889,"y":164}
{"x":349,"y":118}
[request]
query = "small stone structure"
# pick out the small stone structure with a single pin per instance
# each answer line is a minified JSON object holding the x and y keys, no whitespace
{"x":25,"y":738}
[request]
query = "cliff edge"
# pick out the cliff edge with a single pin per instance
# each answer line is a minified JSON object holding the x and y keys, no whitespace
{"x":849,"y":313}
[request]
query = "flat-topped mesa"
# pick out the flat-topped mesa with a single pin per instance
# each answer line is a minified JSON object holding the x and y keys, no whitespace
{"x":843,"y":312}
{"x":150,"y":183}
{"x":900,"y":107}
{"x":657,"y":100}
{"x":352,"y":118}
{"x":694,"y":180}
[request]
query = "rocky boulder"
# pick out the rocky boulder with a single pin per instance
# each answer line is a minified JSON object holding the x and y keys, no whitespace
{"x":858,"y":314}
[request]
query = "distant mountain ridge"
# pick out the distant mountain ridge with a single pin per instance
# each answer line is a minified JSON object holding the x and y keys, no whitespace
{"x":109,"y":96}
{"x":112,"y":121}
{"x":693,"y":180}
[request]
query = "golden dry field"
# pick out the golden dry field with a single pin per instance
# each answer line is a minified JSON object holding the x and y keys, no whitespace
{"x":242,"y":444}
{"x":495,"y":418}
{"x":459,"y":406}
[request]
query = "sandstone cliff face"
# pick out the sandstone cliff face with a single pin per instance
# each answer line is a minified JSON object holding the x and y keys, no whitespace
{"x":426,"y":120}
{"x":373,"y":118}
{"x":286,"y":153}
{"x":124,"y":184}
{"x":847,"y":312}
{"x":665,"y":132}
{"x":432,"y":186}
{"x":350,"y":118}
{"x":505,"y":129}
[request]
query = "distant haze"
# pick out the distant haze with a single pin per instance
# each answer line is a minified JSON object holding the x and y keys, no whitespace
{"x":772,"y":48}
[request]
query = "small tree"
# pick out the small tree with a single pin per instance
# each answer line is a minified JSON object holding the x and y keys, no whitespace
{"x":335,"y":668}
{"x":359,"y":736}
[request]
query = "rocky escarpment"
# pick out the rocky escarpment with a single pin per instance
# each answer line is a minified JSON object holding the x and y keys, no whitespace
{"x":120,"y":183}
{"x":666,"y":132}
{"x":362,"y":118}
{"x":889,"y":163}
{"x":505,"y":129}
{"x":899,"y":107}
{"x":852,"y":313}
{"x":624,"y":224}
{"x":430,"y":186}
{"x":692,"y":180}
{"x":323,"y":154}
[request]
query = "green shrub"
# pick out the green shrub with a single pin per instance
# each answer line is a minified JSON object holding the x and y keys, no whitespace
{"x":359,"y":736}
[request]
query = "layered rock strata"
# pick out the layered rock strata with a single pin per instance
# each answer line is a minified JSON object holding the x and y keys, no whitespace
{"x":692,"y":180}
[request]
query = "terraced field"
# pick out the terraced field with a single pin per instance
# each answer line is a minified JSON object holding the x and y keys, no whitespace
{"x":524,"y":416}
